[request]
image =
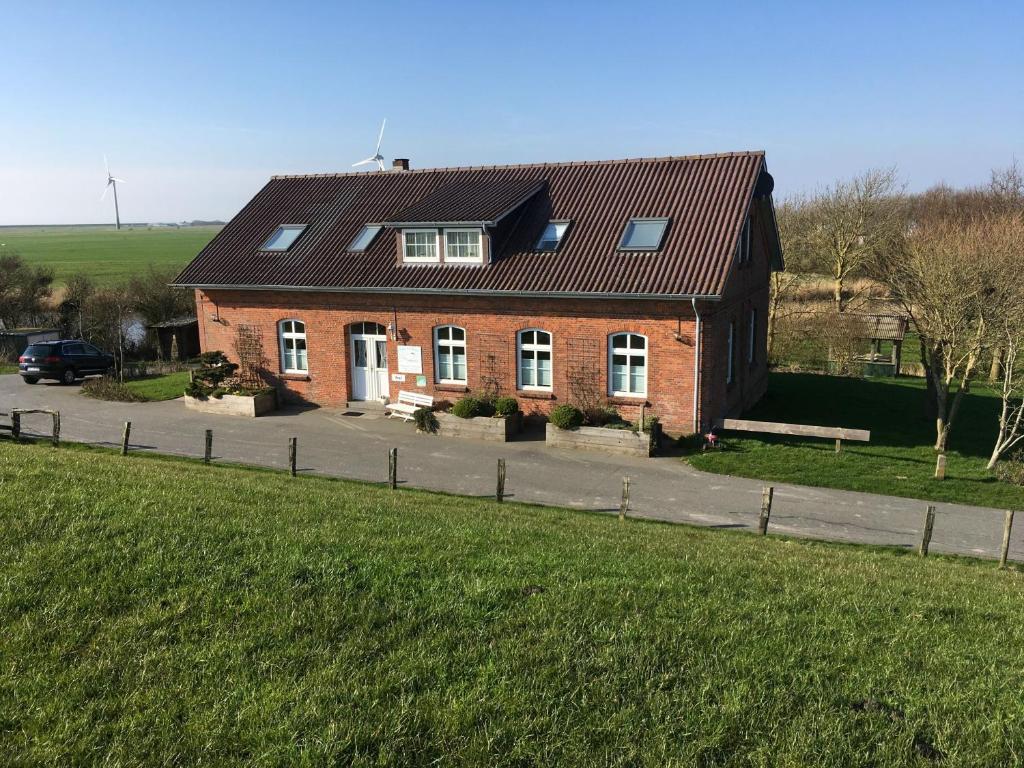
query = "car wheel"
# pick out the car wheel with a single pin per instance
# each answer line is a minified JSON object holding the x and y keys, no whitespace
{"x":30,"y":379}
{"x":68,"y":377}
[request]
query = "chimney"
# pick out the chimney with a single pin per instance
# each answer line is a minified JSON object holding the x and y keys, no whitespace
{"x":400,"y":164}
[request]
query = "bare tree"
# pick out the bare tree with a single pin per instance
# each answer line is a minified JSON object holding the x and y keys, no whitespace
{"x":782,"y":283}
{"x":841,"y":230}
{"x":951,"y":279}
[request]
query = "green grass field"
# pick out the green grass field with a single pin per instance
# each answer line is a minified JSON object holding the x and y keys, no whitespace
{"x":899,"y":460}
{"x":164,"y":387}
{"x":105,"y":254}
{"x":157,"y":611}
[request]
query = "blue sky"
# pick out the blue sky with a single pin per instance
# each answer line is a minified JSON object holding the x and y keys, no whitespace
{"x":197,"y":104}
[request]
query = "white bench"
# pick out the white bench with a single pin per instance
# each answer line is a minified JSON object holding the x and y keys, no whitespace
{"x":407,"y":404}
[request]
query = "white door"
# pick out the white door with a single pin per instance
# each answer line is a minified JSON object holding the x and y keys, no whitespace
{"x":369,"y":366}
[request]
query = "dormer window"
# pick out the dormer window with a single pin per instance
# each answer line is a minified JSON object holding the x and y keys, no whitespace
{"x":283,"y":237}
{"x":462,"y":245}
{"x":552,"y":236}
{"x":643,"y":235}
{"x":419,"y":245}
{"x":364,"y":238}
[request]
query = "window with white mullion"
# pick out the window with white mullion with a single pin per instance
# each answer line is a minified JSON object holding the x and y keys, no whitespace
{"x":450,"y":354}
{"x":627,"y":360}
{"x":420,"y":245}
{"x":292,"y":335}
{"x":462,"y":245}
{"x":534,"y":359}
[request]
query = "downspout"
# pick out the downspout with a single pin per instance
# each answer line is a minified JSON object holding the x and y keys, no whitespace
{"x":696,"y":367}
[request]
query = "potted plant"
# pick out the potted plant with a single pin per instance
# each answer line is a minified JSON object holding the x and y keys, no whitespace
{"x":600,"y":430}
{"x":482,"y":418}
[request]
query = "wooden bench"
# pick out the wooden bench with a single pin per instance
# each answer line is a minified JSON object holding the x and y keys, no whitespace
{"x":797,"y":430}
{"x":407,"y":404}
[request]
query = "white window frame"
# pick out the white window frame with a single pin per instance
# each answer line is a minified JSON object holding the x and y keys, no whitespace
{"x":284,"y":337}
{"x":299,"y":229}
{"x":438,"y":373}
{"x":370,"y":231}
{"x":663,"y":220}
{"x":730,"y":367}
{"x":559,"y":236}
{"x":449,"y":256}
{"x":629,"y":352}
{"x":534,"y":347}
{"x":751,"y":341}
{"x":419,"y":259}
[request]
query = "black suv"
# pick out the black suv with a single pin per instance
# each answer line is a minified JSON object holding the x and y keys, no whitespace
{"x":63,"y":361}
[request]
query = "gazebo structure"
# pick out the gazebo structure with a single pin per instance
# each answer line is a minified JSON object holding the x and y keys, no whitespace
{"x":880,"y":329}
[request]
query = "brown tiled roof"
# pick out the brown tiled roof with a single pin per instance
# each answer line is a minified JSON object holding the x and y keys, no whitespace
{"x":477,"y":201}
{"x":705,"y":197}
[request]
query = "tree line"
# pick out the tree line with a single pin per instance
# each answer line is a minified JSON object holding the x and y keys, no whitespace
{"x":949,"y":258}
{"x":84,"y":309}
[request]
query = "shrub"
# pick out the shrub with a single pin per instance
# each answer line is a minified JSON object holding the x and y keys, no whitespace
{"x":425,"y":420}
{"x":1011,"y":469}
{"x":566,"y":417}
{"x":106,"y":388}
{"x":650,"y":424}
{"x":506,"y":406}
{"x":212,"y":358}
{"x":468,"y":407}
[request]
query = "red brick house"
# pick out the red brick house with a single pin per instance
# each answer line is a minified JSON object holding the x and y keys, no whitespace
{"x":640,"y":282}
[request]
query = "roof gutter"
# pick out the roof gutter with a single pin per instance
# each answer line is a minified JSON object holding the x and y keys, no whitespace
{"x":448,"y":292}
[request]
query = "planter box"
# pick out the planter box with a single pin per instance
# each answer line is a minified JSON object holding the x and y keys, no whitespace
{"x":498,"y":429}
{"x":235,"y":405}
{"x":620,"y":441}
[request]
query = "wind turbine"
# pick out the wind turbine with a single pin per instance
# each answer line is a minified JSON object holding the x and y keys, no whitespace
{"x":377,"y":158}
{"x":112,"y":182}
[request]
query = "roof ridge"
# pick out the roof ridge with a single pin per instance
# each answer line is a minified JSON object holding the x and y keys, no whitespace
{"x":510,"y":166}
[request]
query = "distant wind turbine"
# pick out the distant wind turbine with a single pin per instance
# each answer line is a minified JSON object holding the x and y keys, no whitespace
{"x":377,"y":158}
{"x":112,"y":182}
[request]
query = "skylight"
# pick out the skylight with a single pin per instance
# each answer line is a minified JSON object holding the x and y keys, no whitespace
{"x":643,"y":235}
{"x":365,"y":237}
{"x":283,"y":238}
{"x":552,"y":236}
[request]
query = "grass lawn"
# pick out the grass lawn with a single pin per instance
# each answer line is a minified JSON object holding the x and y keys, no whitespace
{"x":164,"y":387}
{"x":105,"y":254}
{"x":899,"y":460}
{"x":159,"y":611}
{"x":8,"y":368}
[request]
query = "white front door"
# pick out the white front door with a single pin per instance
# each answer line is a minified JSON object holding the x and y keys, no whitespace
{"x":369,"y":367}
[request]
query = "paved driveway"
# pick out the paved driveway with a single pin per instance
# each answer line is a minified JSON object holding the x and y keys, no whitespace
{"x":354,"y":443}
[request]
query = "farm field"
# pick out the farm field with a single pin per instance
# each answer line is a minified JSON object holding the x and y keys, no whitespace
{"x":105,"y":254}
{"x":899,"y":460}
{"x":160,"y":611}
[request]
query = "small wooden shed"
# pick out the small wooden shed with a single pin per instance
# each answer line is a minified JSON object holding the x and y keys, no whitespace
{"x":177,"y":339}
{"x":879,"y":330}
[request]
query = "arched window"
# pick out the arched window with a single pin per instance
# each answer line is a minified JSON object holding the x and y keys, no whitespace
{"x":368,"y":329}
{"x":627,"y":364}
{"x":450,"y":354}
{"x":534,"y":350}
{"x":292,"y":334}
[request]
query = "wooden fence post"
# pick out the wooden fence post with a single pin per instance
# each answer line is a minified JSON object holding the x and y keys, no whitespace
{"x":293,"y":449}
{"x":393,"y":468}
{"x":15,"y":425}
{"x":1007,"y":527}
{"x":839,"y":445}
{"x":56,"y":427}
{"x":208,"y":452}
{"x":940,"y":467}
{"x":624,"y":504}
{"x":124,"y":437}
{"x":767,"y":494}
{"x":926,"y":536}
{"x":500,"y":492}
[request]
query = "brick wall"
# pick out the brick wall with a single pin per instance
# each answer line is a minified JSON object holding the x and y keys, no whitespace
{"x":579,"y":329}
